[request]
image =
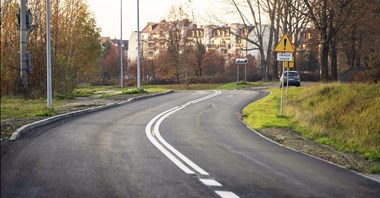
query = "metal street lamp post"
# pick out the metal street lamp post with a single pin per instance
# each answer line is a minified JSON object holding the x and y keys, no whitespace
{"x":121,"y":44}
{"x":138,"y":44}
{"x":48,"y":52}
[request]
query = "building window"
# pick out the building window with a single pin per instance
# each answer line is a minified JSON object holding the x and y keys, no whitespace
{"x":308,"y":35}
{"x":238,"y":40}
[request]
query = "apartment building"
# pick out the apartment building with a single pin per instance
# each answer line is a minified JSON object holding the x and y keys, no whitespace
{"x":227,"y":40}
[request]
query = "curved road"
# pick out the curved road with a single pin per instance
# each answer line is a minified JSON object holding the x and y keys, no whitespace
{"x":186,"y":144}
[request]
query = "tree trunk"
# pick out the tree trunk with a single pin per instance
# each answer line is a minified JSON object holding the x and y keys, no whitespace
{"x":333,"y":57}
{"x":276,"y":38}
{"x":325,"y":64}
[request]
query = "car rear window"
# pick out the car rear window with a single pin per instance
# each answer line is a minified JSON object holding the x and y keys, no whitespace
{"x":291,"y":74}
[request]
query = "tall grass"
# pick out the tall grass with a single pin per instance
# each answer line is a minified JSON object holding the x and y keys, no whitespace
{"x":346,"y":116}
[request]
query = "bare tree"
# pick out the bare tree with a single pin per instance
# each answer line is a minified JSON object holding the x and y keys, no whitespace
{"x":178,"y":21}
{"x":263,"y":33}
{"x":291,"y":21}
{"x":328,"y":16}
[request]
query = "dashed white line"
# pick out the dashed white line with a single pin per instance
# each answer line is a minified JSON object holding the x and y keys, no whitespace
{"x":226,"y":194}
{"x":210,"y":182}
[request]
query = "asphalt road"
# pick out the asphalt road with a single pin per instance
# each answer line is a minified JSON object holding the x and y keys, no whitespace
{"x":186,"y":144}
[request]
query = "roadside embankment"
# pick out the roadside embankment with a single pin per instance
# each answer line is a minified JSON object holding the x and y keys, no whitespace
{"x":342,"y":120}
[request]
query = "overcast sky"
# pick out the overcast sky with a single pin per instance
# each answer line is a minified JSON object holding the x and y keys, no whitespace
{"x":107,"y":13}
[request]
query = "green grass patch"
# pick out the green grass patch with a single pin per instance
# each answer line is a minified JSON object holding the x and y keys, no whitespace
{"x":265,"y":113}
{"x":28,"y":108}
{"x":134,"y":91}
{"x":345,"y":116}
{"x":24,"y":108}
{"x":375,"y":169}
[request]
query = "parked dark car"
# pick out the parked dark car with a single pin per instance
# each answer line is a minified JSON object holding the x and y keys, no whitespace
{"x":294,"y":78}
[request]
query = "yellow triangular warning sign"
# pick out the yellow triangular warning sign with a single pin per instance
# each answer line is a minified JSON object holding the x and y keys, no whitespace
{"x":284,"y":45}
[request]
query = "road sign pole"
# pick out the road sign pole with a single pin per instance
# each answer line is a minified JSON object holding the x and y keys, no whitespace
{"x":237,"y":72}
{"x":287,"y":80}
{"x":245,"y":73}
{"x":282,"y":89}
{"x":285,"y":51}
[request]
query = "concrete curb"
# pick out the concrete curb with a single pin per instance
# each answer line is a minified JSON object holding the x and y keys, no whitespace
{"x":29,"y":127}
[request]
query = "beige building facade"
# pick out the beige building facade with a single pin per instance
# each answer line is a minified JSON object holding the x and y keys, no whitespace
{"x":227,"y":40}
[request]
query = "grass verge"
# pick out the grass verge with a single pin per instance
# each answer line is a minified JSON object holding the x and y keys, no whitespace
{"x":16,"y":112}
{"x":20,"y":107}
{"x":345,"y":116}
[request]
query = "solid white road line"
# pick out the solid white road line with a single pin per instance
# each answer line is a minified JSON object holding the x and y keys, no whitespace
{"x":174,"y":154}
{"x":156,"y":132}
{"x":162,"y":145}
{"x":148,"y":127}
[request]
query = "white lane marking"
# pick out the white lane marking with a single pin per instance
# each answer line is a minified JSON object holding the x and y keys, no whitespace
{"x":210,"y":182}
{"x":156,"y":132}
{"x":150,"y":134}
{"x":226,"y":194}
{"x":148,"y":127}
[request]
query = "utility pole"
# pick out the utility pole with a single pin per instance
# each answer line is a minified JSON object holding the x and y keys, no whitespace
{"x":25,"y":23}
{"x":138,"y":44}
{"x":246,"y":53}
{"x":121,"y":45}
{"x":24,"y":71}
{"x":48,"y":52}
